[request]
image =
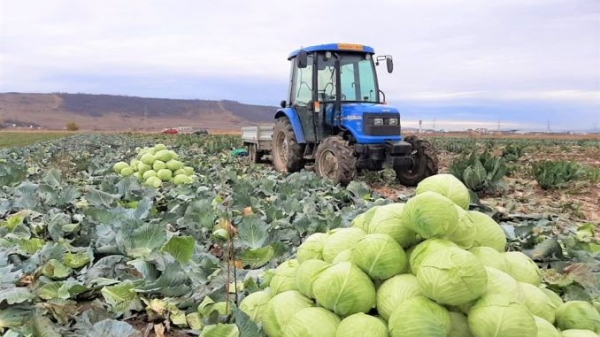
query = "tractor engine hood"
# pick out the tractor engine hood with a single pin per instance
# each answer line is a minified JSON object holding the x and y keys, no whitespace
{"x":369,"y":122}
{"x":351,"y":110}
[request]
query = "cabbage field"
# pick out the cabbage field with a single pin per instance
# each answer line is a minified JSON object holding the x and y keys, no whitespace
{"x":137,"y":235}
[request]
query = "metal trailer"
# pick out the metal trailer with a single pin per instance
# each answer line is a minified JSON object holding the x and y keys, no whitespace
{"x":258,"y":140}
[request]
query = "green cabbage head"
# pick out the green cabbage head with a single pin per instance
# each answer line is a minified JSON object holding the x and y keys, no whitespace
{"x":306,"y":275}
{"x":254,"y":305}
{"x":452,"y":276}
{"x":311,"y":248}
{"x":490,"y":257}
{"x":501,"y":283}
{"x":360,"y":324}
{"x":464,"y":233}
{"x":499,"y":316}
{"x":578,"y":333}
{"x":312,"y":322}
{"x":430,"y":215}
{"x":363,"y":220}
{"x":538,"y":302}
{"x":345,"y":256}
{"x":487,"y":232}
{"x":340,"y":239}
{"x":280,"y":310}
{"x":578,"y":315}
{"x":553,"y":297}
{"x":284,"y":278}
{"x":388,"y":219}
{"x":545,"y":328}
{"x":395,"y":290}
{"x":379,"y":255}
{"x":418,"y":317}
{"x":448,"y":186}
{"x":522,"y":268}
{"x":344,"y":289}
{"x":359,"y":221}
{"x":459,"y":326}
{"x":423,"y":249}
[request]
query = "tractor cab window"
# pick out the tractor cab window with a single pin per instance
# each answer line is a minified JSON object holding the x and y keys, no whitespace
{"x":357,"y":77}
{"x":303,"y":83}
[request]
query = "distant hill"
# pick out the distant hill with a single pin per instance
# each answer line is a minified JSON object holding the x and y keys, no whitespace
{"x":113,"y":113}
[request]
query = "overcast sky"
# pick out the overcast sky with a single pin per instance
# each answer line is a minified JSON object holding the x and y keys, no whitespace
{"x":520,"y":62}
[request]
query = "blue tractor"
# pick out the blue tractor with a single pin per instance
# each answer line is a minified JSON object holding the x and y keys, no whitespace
{"x":335,"y":118}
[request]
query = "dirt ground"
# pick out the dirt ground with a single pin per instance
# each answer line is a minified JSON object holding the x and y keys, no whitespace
{"x":579,"y":203}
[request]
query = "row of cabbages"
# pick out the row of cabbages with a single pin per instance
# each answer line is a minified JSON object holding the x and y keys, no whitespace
{"x":426,"y":268}
{"x":156,"y":165}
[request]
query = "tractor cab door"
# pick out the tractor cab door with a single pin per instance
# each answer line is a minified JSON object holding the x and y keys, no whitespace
{"x":302,"y":97}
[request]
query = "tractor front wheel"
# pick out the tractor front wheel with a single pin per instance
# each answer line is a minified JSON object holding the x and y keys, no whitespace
{"x":287,"y":153}
{"x":335,"y":160}
{"x":426,"y":163}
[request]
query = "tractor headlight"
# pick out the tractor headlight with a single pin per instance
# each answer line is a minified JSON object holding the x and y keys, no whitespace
{"x":393,"y":121}
{"x":378,"y":121}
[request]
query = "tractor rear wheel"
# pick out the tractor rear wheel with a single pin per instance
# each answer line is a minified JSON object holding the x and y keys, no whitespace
{"x":287,"y":153}
{"x":335,"y":160}
{"x":426,"y":163}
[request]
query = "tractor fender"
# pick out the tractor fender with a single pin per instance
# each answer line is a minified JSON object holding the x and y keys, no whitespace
{"x":292,"y":116}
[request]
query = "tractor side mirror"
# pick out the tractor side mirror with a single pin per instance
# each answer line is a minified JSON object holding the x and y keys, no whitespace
{"x":302,"y":59}
{"x":283,"y":103}
{"x":390,"y":64}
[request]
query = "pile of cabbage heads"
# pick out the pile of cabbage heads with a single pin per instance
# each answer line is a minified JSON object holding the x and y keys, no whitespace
{"x":156,"y":165}
{"x":429,"y":267}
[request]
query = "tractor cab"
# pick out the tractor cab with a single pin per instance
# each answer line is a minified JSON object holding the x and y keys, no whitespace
{"x":334,"y":87}
{"x":336,"y":116}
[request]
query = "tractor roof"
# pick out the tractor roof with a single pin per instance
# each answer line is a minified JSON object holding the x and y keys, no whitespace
{"x":335,"y":47}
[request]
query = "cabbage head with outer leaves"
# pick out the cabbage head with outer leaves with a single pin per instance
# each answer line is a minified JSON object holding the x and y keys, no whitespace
{"x":522,"y":268}
{"x":488,"y":232}
{"x":344,"y":289}
{"x":430,"y":215}
{"x":424,"y":249}
{"x":360,"y":324}
{"x":418,"y":317}
{"x":578,"y":315}
{"x":306,"y":274}
{"x":388,"y":219}
{"x":379,"y":255}
{"x":254,"y":305}
{"x":448,"y":186}
{"x":553,"y":297}
{"x":312,"y":322}
{"x":452,"y":276}
{"x":311,"y":248}
{"x":491,"y":257}
{"x":538,"y":302}
{"x":499,"y":316}
{"x":363,"y":220}
{"x":340,"y":239}
{"x":545,"y":328}
{"x":464,"y":233}
{"x":395,"y":290}
{"x":284,"y":277}
{"x":280,"y":310}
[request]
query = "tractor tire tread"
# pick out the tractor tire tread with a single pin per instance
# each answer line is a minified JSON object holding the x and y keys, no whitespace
{"x":431,"y":162}
{"x":345,"y":156}
{"x":295,"y":160}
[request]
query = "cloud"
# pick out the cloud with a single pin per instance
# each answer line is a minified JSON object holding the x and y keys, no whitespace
{"x":455,"y":52}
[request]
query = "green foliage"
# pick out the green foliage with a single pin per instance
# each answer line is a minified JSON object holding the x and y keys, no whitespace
{"x":479,"y":172}
{"x":556,"y":174}
{"x":80,"y":232}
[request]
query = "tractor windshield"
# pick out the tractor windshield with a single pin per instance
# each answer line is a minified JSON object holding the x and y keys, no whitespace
{"x":357,"y":77}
